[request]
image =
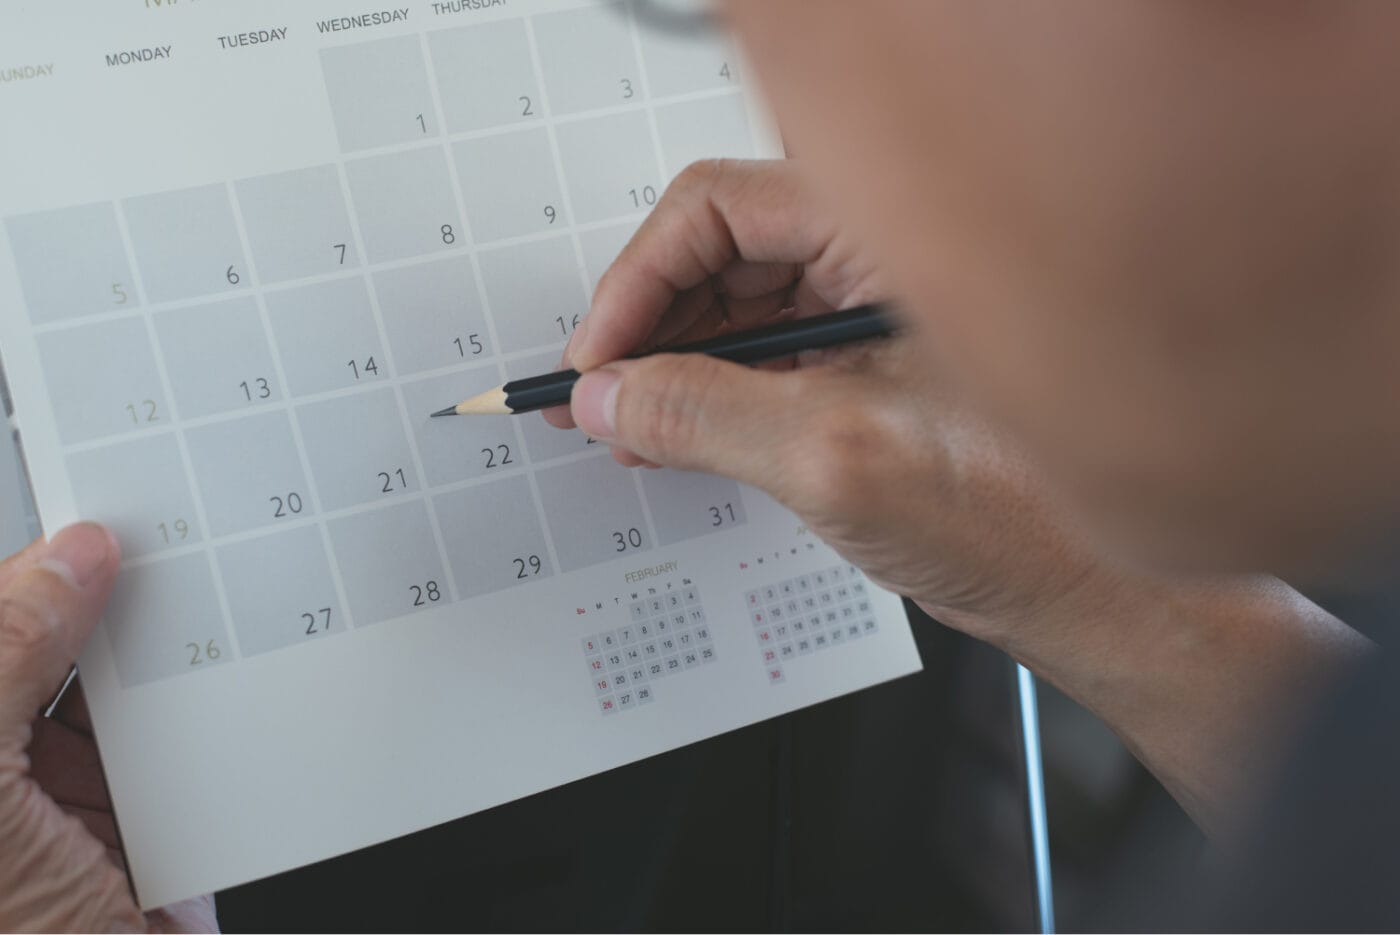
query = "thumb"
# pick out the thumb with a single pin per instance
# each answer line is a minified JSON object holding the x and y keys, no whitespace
{"x":47,"y":612}
{"x":695,"y":413}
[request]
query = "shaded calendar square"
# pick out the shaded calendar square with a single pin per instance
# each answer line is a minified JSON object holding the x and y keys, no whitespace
{"x":405,"y":204}
{"x":389,"y":562}
{"x":186,"y":243}
{"x":71,"y":262}
{"x":326,"y":336}
{"x":485,"y":75}
{"x":459,"y":448}
{"x":509,"y":184}
{"x":248,"y":473}
{"x":593,"y":511}
{"x":492,"y":536}
{"x":297,"y":223}
{"x":683,"y":63}
{"x":543,"y":442}
{"x":609,"y":166}
{"x":280,"y":590}
{"x":710,"y":128}
{"x":164,"y":620}
{"x":535,"y":292}
{"x":357,"y":448}
{"x":217,"y":357}
{"x":687,"y":504}
{"x":601,"y":245}
{"x":588,"y":59}
{"x":137,"y":489}
{"x":378,"y":92}
{"x":103,"y":380}
{"x":432,"y":314}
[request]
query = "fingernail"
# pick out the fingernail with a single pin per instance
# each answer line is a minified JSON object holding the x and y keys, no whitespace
{"x":78,"y":553}
{"x":595,"y":403}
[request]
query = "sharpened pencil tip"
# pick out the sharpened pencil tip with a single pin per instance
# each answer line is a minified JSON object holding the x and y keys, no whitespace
{"x":449,"y":411}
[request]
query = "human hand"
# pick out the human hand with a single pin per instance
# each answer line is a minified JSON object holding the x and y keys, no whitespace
{"x":865,"y":444}
{"x":1204,"y":679}
{"x":61,"y":867}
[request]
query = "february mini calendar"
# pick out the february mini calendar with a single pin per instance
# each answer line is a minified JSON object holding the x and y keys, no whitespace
{"x":245,"y":250}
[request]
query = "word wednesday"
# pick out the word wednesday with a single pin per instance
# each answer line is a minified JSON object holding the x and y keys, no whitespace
{"x":361,"y":20}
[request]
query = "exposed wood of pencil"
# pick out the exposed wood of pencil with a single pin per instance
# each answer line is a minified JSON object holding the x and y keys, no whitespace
{"x":490,"y":403}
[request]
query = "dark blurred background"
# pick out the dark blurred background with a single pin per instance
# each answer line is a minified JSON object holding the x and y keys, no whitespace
{"x":899,"y":807}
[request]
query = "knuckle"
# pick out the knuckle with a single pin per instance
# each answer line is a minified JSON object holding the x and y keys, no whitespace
{"x":664,"y":407}
{"x":24,"y":627}
{"x":699,"y":176}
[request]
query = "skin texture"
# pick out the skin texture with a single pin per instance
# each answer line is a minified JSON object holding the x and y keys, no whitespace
{"x":60,"y":865}
{"x":1205,"y":678}
{"x":1154,"y":240}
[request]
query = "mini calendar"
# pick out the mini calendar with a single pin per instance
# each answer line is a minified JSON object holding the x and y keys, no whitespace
{"x":245,"y":250}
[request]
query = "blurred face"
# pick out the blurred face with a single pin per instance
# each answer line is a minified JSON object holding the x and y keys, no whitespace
{"x":1159,"y":240}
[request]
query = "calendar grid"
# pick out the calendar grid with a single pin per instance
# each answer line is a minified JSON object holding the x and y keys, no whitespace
{"x":279,"y":369}
{"x":487,"y":310}
{"x":661,"y":173}
{"x":79,"y":321}
{"x":206,"y":545}
{"x":377,"y":311}
{"x":542,"y":201}
{"x":643,"y":104}
{"x":567,"y":202}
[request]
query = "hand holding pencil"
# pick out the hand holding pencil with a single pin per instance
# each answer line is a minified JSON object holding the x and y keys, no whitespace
{"x":863,"y":443}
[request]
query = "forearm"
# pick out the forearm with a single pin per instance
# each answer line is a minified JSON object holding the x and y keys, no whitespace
{"x":1205,"y":683}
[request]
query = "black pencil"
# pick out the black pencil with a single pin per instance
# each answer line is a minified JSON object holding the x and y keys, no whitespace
{"x":742,"y":347}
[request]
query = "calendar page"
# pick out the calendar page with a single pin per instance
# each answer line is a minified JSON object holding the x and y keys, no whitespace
{"x":245,"y":250}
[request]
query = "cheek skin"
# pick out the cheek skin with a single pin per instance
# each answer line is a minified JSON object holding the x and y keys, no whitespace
{"x":1155,"y":240}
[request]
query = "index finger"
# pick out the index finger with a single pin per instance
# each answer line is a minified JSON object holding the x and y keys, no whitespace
{"x":713,"y":213}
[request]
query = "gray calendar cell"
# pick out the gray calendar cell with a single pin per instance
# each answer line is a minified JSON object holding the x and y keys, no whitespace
{"x":248,"y":473}
{"x":71,"y":262}
{"x":378,"y":92}
{"x":326,"y":336}
{"x":186,"y":243}
{"x":509,"y":185}
{"x":493,"y":537}
{"x":593,"y":511}
{"x":535,"y":292}
{"x":280,"y":590}
{"x":103,"y":380}
{"x":357,"y":447}
{"x":405,"y":204}
{"x":609,"y":166}
{"x":297,"y":223}
{"x":588,"y":59}
{"x":139,"y":490}
{"x":461,"y":448}
{"x":485,"y":76}
{"x":685,"y":505}
{"x":683,"y":63}
{"x":389,"y":562}
{"x":543,"y":441}
{"x":217,"y":357}
{"x":164,"y":620}
{"x":711,"y":128}
{"x":432,"y":314}
{"x":601,"y":245}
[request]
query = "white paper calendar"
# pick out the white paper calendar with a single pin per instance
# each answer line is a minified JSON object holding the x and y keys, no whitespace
{"x":245,"y":249}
